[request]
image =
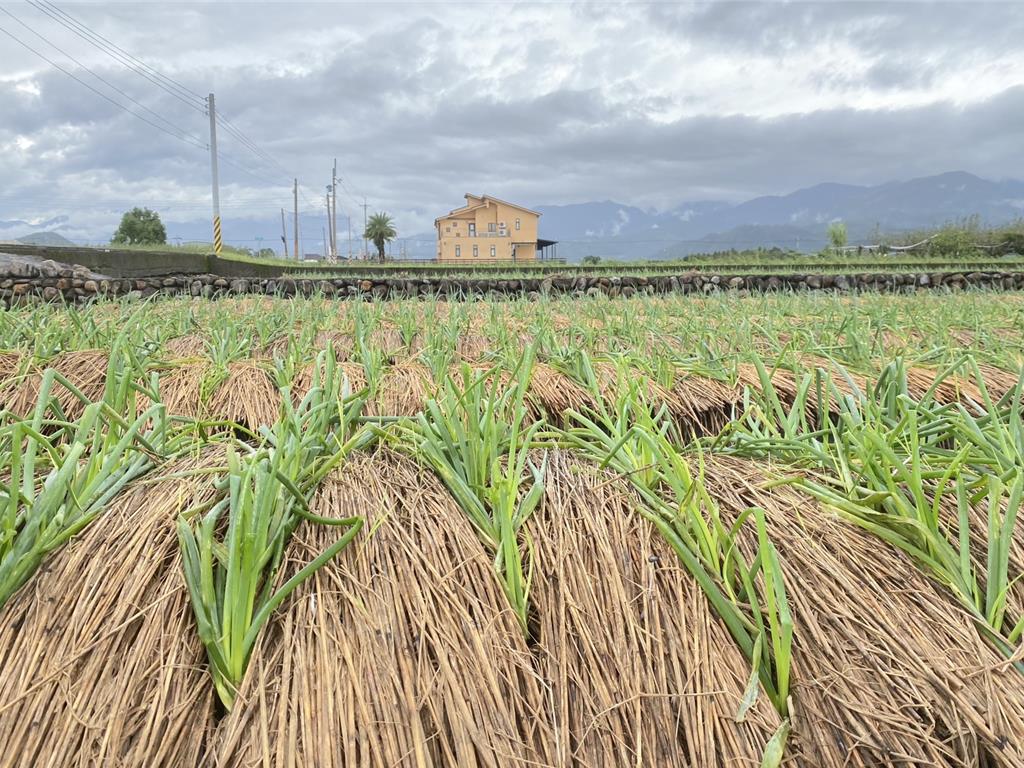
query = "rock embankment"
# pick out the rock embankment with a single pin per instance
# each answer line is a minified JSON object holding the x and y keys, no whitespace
{"x":49,"y":281}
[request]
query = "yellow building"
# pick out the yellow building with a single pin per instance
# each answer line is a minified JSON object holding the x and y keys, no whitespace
{"x":488,"y":229}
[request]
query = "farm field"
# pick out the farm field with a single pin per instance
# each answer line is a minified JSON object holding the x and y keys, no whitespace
{"x":663,"y":531}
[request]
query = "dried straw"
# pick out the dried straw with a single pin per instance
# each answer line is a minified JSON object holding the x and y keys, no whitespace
{"x":181,"y":388}
{"x":642,"y":671}
{"x":355,"y":373}
{"x":703,"y":406}
{"x":85,"y":369}
{"x":247,"y":396}
{"x":402,"y":651}
{"x":473,"y":347}
{"x":402,"y":390}
{"x":180,"y":347}
{"x":99,"y":660}
{"x":557,"y":393}
{"x":888,"y":668}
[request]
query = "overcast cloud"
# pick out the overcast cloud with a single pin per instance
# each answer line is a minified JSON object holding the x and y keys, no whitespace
{"x":646,"y":104}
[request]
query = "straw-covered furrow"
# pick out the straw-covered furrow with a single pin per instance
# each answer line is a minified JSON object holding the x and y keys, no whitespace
{"x":703,"y":406}
{"x":401,"y":651}
{"x":342,"y":344}
{"x":354,"y":373}
{"x":641,"y":670}
{"x":888,"y":668}
{"x":401,"y":390}
{"x":246,"y":396}
{"x":558,"y":393}
{"x":181,"y":347}
{"x":181,"y":388}
{"x":86,"y":370}
{"x":100,"y":663}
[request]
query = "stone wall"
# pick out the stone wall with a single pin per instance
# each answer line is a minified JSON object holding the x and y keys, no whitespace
{"x":50,"y":282}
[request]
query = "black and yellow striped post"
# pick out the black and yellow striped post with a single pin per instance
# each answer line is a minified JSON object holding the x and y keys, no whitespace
{"x":218,"y":242}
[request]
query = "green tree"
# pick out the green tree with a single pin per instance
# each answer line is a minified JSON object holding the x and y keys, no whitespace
{"x":380,"y":230}
{"x":140,"y":226}
{"x":837,"y":234}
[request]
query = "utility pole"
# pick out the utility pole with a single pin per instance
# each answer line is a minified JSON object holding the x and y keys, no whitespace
{"x":334,"y":210}
{"x":295,"y":194}
{"x":284,"y":235}
{"x":350,"y":238}
{"x":323,"y":231}
{"x":366,"y":247}
{"x":329,"y":242}
{"x":214,"y":178}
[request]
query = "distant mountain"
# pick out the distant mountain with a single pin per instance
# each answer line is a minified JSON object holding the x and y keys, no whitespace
{"x":56,"y":221}
{"x":797,"y":220}
{"x":44,"y":238}
{"x":614,"y":230}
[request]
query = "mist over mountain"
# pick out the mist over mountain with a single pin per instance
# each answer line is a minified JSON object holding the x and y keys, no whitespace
{"x":797,"y":220}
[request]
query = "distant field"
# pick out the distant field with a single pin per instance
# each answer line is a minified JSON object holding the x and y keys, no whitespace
{"x":197,"y":259}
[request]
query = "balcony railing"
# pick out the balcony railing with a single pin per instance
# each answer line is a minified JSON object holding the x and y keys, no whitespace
{"x":502,"y":233}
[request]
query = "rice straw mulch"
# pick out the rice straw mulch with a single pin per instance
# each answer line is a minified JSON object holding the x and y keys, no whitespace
{"x":246,"y":396}
{"x":100,"y":663}
{"x":703,"y":405}
{"x":85,"y":369}
{"x":402,"y":390}
{"x":889,"y":670}
{"x":401,"y":651}
{"x":642,"y":671}
{"x":557,"y":393}
{"x":354,"y":373}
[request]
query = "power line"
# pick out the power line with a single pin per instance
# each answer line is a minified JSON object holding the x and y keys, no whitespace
{"x":171,"y":86}
{"x":106,"y":82}
{"x":183,"y":136}
{"x":152,"y":75}
{"x":165,"y":83}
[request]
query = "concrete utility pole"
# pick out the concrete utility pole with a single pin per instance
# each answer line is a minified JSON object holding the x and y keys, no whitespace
{"x":284,"y":235}
{"x":366,"y":247}
{"x":218,"y":243}
{"x":329,"y":242}
{"x":295,"y":194}
{"x":334,"y":210}
{"x":330,"y":226}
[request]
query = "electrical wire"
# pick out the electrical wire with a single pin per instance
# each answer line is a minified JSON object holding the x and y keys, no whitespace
{"x":181,"y":136}
{"x":171,"y":86}
{"x":106,"y":82}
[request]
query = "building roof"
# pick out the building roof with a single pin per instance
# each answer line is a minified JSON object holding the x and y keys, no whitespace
{"x":506,"y":202}
{"x":484,"y":200}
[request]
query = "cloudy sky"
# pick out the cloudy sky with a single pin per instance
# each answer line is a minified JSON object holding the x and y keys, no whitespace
{"x":649,"y":104}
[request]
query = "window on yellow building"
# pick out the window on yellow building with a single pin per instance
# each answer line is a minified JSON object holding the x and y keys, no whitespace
{"x":517,"y":225}
{"x":490,"y":226}
{"x":493,"y":252}
{"x":472,"y":229}
{"x":476,"y":250}
{"x":458,"y":251}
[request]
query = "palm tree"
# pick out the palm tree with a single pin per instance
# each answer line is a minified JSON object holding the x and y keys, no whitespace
{"x":381,"y":230}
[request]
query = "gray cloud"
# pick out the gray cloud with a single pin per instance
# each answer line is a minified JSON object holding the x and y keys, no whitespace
{"x":650,"y":105}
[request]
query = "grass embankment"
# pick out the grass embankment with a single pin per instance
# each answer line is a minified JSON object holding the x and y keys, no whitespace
{"x":708,"y":531}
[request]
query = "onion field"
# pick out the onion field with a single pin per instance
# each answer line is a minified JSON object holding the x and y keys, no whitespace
{"x":723,"y":531}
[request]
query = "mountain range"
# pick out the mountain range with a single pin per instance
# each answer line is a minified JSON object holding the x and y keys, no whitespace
{"x":798,"y":220}
{"x":616,"y":230}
